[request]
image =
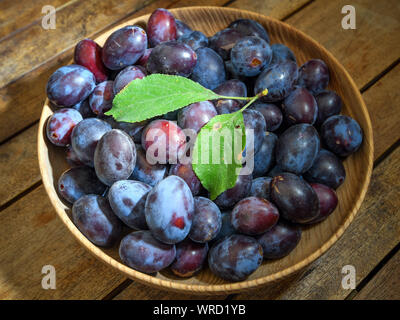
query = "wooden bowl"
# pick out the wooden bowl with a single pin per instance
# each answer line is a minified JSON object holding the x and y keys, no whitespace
{"x":316,"y":239}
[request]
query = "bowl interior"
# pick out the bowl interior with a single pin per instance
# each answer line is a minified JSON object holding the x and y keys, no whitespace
{"x":316,"y":239}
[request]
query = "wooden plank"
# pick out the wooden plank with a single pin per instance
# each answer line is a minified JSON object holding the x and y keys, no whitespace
{"x":15,"y":15}
{"x":381,"y":100}
{"x":372,"y":234}
{"x":138,"y":291}
{"x":365,"y":51}
{"x":386,"y":283}
{"x":276,"y":9}
{"x":19,"y":164}
{"x":31,"y":236}
{"x":73,"y":22}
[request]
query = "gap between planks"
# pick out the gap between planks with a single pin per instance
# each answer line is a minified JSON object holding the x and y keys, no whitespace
{"x":373,"y":272}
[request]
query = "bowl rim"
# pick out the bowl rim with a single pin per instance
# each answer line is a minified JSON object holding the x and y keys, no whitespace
{"x":211,"y":288}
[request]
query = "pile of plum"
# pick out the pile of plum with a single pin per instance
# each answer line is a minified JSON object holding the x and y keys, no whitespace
{"x":160,"y":214}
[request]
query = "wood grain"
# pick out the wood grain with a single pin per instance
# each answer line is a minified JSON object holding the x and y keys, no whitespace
{"x":385,"y":285}
{"x":18,"y":165}
{"x":383,"y":101}
{"x":31,"y":236}
{"x":277,"y":9}
{"x":74,"y":22}
{"x":15,"y":15}
{"x":137,"y":291}
{"x":315,"y":240}
{"x":373,"y":233}
{"x":364,"y":52}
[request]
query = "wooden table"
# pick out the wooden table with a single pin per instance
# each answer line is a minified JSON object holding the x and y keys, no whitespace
{"x":31,"y":235}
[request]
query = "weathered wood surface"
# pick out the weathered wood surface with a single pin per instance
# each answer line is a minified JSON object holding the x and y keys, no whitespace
{"x":29,"y":227}
{"x":366,"y":51}
{"x":386,"y":283}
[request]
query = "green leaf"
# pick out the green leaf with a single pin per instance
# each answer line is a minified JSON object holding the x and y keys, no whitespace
{"x":217,"y":152}
{"x":156,"y":95}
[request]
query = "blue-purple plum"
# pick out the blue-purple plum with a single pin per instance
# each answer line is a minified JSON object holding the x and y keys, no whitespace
{"x":280,"y":240}
{"x":206,"y":220}
{"x":223,"y":41}
{"x":72,"y":158}
{"x":195,"y":40}
{"x":84,"y":109}
{"x":329,"y":104}
{"x":145,"y":172}
{"x":327,"y":169}
{"x":255,"y":126}
{"x":60,"y":125}
{"x":276,"y":170}
{"x":261,"y":188}
{"x":70,"y":85}
{"x":250,"y":55}
{"x":230,"y":88}
{"x":133,"y":129}
{"x":264,"y":159}
{"x":85,"y":136}
{"x":342,"y":135}
{"x":297,"y":148}
{"x":114,"y":157}
{"x":294,"y":197}
{"x":190,"y":258}
{"x":210,"y":69}
{"x":235,"y":257}
{"x":279,"y":79}
{"x":79,"y":181}
{"x":253,"y":216}
{"x":100,"y":100}
{"x":169,"y":210}
{"x":230,"y":197}
{"x":314,"y":76}
{"x":94,"y":217}
{"x":272,"y":114}
{"x":126,"y":76}
{"x":226,"y":227}
{"x":249,"y":27}
{"x":281,"y":53}
{"x":182,"y":28}
{"x":124,"y":47}
{"x":161,"y":27}
{"x":141,"y":251}
{"x":142,"y":62}
{"x":196,"y":115}
{"x":127,"y":199}
{"x":300,"y":107}
{"x":172,"y":57}
{"x":328,"y":201}
{"x":185,"y":171}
